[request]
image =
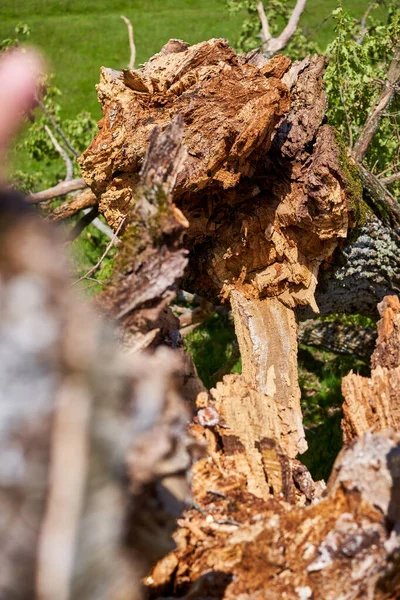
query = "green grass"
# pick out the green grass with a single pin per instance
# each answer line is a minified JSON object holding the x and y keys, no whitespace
{"x":79,"y":36}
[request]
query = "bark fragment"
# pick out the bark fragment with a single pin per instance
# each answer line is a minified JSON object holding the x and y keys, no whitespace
{"x":374,"y":403}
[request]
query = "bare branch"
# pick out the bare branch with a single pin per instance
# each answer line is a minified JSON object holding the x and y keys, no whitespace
{"x":106,"y":251}
{"x":363,"y":23}
{"x":132,"y":46}
{"x":102,"y":226}
{"x":271,"y":45}
{"x":265,"y":32}
{"x":87,"y":218}
{"x":373,"y":121}
{"x":61,"y":189}
{"x":390,"y":168}
{"x":58,"y":129}
{"x":68,"y":162}
{"x":390,"y":179}
{"x":81,"y":201}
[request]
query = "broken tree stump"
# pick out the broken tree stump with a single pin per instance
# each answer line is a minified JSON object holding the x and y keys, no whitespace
{"x":261,"y":187}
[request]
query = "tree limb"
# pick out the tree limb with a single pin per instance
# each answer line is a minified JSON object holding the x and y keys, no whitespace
{"x":271,"y":45}
{"x":82,"y":201}
{"x":131,"y":64}
{"x":68,"y":162}
{"x":373,"y":121}
{"x":87,"y":218}
{"x":265,"y":32}
{"x":390,"y":179}
{"x":363,"y":23}
{"x":61,"y":189}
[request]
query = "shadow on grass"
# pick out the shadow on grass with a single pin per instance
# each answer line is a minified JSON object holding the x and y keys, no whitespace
{"x":320,"y":377}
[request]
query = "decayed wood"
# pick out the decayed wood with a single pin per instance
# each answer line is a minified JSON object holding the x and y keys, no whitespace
{"x":267,"y":335}
{"x":343,"y":546}
{"x":251,"y":231}
{"x":152,"y":258}
{"x":374,"y":403}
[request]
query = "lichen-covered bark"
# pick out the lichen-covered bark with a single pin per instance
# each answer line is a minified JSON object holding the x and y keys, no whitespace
{"x":364,"y":271}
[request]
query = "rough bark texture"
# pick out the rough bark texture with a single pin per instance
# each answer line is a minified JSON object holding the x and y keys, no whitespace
{"x":152,"y":258}
{"x":242,"y":547}
{"x":374,"y":403}
{"x":85,"y":199}
{"x":261,"y":186}
{"x":336,"y":336}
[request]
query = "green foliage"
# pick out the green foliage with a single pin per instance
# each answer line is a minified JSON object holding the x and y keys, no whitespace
{"x":21,"y":32}
{"x":211,"y":346}
{"x":320,"y":375}
{"x":355,"y":76}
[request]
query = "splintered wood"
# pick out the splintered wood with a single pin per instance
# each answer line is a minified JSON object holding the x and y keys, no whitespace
{"x":261,"y":189}
{"x":374,"y":402}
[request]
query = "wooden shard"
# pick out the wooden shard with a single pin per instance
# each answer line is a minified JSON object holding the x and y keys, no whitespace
{"x":374,"y":402}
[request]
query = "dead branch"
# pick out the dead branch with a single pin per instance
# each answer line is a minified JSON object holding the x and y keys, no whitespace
{"x":59,"y":130}
{"x":68,"y":162}
{"x":374,"y":118}
{"x":363,"y":23}
{"x":89,"y":216}
{"x":61,"y":189}
{"x":101,"y":226}
{"x":132,"y":59}
{"x":106,"y":251}
{"x":390,"y":179}
{"x":270,"y":45}
{"x":84,"y":200}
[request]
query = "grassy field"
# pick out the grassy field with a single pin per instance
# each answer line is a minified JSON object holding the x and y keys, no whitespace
{"x":78,"y":36}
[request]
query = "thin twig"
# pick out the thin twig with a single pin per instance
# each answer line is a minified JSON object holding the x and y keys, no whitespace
{"x":64,"y":155}
{"x":106,"y":251}
{"x":58,"y":129}
{"x":391,"y":168}
{"x":61,"y":189}
{"x":132,"y":46}
{"x":363,"y":23}
{"x":348,"y":122}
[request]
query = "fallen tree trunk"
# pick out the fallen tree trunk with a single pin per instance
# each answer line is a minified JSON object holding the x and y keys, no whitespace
{"x":269,"y":196}
{"x":223,"y":165}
